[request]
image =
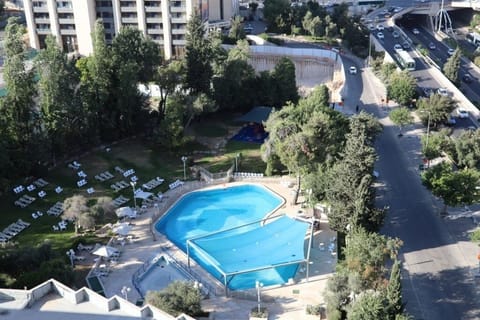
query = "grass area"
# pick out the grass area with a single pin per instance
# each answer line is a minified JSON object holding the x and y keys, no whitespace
{"x":147,"y":162}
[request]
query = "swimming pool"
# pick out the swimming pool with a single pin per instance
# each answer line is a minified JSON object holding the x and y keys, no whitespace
{"x":223,"y":228}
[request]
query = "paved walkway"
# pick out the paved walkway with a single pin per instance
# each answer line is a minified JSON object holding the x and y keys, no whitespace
{"x":284,"y":302}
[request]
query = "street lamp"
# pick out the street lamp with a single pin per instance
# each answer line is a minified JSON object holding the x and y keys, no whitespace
{"x":125,"y":290}
{"x":428,"y":132}
{"x":184,"y":159}
{"x":258,"y":285}
{"x":71,"y":254}
{"x":236,"y":161}
{"x":369,"y":49}
{"x":133,"y":184}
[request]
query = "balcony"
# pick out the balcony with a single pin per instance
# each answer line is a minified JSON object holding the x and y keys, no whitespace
{"x":178,"y":9}
{"x":154,"y":20}
{"x":68,"y":32}
{"x":40,"y":9}
{"x":66,"y":21}
{"x":128,"y":9}
{"x":179,"y":31}
{"x":179,"y":20}
{"x":44,"y":31}
{"x":42,"y":20}
{"x":182,"y":42}
{"x":153,"y":9}
{"x":130,"y":20}
{"x":154,"y":31}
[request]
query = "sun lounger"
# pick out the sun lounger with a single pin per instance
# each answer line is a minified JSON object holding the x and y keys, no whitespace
{"x":42,"y":194}
{"x":81,"y":183}
{"x":134,"y":178}
{"x":58,"y":190}
{"x":55,"y":228}
{"x":90,"y":190}
{"x":18,"y":189}
{"x":34,"y":216}
{"x":81,"y":174}
{"x":23,"y":223}
{"x":119,"y":170}
{"x":99,"y":178}
{"x":31,"y":187}
{"x":108,"y":175}
{"x":175,"y":184}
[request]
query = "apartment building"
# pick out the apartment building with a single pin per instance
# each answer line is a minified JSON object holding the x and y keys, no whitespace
{"x":164,"y":21}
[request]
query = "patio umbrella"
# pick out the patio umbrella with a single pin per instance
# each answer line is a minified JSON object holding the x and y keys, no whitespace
{"x":124,"y":212}
{"x":105,"y":251}
{"x":122,"y":229}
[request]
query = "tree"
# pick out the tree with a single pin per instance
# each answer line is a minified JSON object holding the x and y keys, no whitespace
{"x":76,"y":209}
{"x":2,"y":7}
{"x":57,"y":100}
{"x":394,"y":291}
{"x":402,"y":88}
{"x":401,"y":117}
{"x":451,"y":67}
{"x":168,"y":78}
{"x":368,"y":306}
{"x":284,"y":77}
{"x":438,"y":142}
{"x":198,"y":57}
{"x":454,"y":187}
{"x":274,"y":13}
{"x":236,"y":31}
{"x":467,"y":149}
{"x":435,"y":109}
{"x":179,"y":297}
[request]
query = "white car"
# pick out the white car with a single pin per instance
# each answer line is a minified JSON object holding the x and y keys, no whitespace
{"x":451,"y":52}
{"x":380,"y":27}
{"x":380,"y":35}
{"x":415,"y":31}
{"x":462,"y":113}
{"x":443,"y":92}
{"x":352,"y":70}
{"x":397,"y":46}
{"x":395,"y":34}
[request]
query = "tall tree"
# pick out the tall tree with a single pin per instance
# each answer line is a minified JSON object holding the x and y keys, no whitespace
{"x":454,"y":187}
{"x":17,"y":107}
{"x":451,"y":67}
{"x":198,"y":57}
{"x":179,"y":297}
{"x":57,"y":96}
{"x":76,"y":210}
{"x":435,"y":109}
{"x":96,"y":86}
{"x":401,"y":117}
{"x":402,"y":88}
{"x":275,"y":13}
{"x":284,"y":77}
{"x":394,"y":291}
{"x":168,"y":78}
{"x":236,"y":31}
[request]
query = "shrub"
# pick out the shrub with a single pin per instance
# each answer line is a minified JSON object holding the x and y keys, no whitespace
{"x":315,"y":309}
{"x":263,"y":313}
{"x":475,"y":235}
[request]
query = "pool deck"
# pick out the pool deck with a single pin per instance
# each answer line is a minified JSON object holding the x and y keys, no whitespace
{"x":284,"y":302}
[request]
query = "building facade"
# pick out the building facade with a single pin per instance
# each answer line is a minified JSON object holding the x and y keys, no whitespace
{"x":164,"y":21}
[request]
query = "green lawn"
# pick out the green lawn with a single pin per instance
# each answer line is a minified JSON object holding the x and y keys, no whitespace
{"x":147,"y":162}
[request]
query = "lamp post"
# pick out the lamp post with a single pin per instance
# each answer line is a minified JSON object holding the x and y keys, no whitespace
{"x":428,"y":134}
{"x":369,"y":49}
{"x":236,"y":161}
{"x":133,"y":184}
{"x":258,"y":285}
{"x":125,"y":290}
{"x":71,"y":254}
{"x":184,"y":159}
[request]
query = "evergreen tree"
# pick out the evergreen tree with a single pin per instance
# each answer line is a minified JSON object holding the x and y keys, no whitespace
{"x":402,"y":88}
{"x":394,"y":291}
{"x":198,"y":57}
{"x":451,"y":67}
{"x":283,"y":76}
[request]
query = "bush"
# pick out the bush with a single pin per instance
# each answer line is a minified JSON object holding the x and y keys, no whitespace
{"x":475,"y":235}
{"x":315,"y":309}
{"x":262,"y":314}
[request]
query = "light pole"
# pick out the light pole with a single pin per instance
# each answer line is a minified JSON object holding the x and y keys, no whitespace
{"x":71,"y":254}
{"x":125,"y":290}
{"x":184,"y":159}
{"x":258,"y":285}
{"x":369,"y":49}
{"x":428,"y":135}
{"x":133,"y":184}
{"x":236,"y":161}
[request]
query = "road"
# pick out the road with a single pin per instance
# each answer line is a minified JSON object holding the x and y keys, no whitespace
{"x":438,"y":278}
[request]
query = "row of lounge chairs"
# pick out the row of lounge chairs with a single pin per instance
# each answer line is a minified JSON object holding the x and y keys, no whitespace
{"x":104,"y":176}
{"x":24,"y":201}
{"x":37,"y":183}
{"x":118,"y":202}
{"x":56,"y":209}
{"x":151,"y":201}
{"x":120,"y":185}
{"x":81,"y":174}
{"x":12,"y":230}
{"x":152,"y":184}
{"x":81,"y":183}
{"x":62,"y":225}
{"x":175,"y":184}
{"x":37,"y":214}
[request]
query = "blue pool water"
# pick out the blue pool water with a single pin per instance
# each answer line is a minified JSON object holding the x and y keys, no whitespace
{"x":201,"y":215}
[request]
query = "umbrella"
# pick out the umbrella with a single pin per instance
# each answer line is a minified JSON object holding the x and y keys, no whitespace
{"x":105,"y":251}
{"x":124,"y":212}
{"x":122,"y":229}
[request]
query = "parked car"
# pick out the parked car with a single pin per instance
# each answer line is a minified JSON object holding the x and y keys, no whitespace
{"x":397,"y":46}
{"x":415,"y":31}
{"x":462,"y":113}
{"x":451,"y":52}
{"x":380,"y":35}
{"x":467,"y":78}
{"x":432,"y":46}
{"x":395,"y":34}
{"x":380,"y":27}
{"x":443,"y":92}
{"x":352,"y":70}
{"x":406,"y":45}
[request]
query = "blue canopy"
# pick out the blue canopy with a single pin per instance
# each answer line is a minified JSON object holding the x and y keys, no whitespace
{"x":257,"y":114}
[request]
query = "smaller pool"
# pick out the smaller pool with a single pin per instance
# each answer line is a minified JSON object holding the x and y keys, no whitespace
{"x":159,"y":275}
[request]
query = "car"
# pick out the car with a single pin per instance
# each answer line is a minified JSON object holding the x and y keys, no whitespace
{"x":371,"y":27}
{"x":415,"y":31}
{"x":467,"y":78}
{"x":380,"y":27}
{"x":427,"y":92}
{"x":406,"y":45}
{"x":451,"y":52}
{"x":443,"y":92}
{"x":380,"y":35}
{"x":397,"y":46}
{"x":432,"y":46}
{"x":390,"y":29}
{"x":397,"y":9}
{"x":451,"y":121}
{"x":352,"y":70}
{"x":462,"y":113}
{"x":395,"y":34}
